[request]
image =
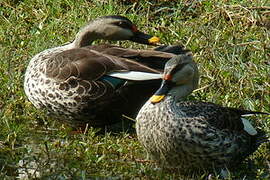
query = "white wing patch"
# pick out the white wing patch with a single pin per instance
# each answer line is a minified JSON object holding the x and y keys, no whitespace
{"x":248,"y":127}
{"x":135,"y":75}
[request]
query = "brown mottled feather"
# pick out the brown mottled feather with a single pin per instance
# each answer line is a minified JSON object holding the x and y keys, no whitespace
{"x":91,"y":65}
{"x":129,"y":53}
{"x":152,"y":58}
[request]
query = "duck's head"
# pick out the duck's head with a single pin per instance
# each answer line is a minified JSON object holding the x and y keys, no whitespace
{"x":180,"y":78}
{"x":113,"y":28}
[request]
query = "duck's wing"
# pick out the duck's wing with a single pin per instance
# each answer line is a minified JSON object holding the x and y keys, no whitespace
{"x":86,"y":64}
{"x":236,"y":117}
{"x":221,"y":117}
{"x":155,"y":58}
{"x":174,"y":49}
{"x":164,"y":51}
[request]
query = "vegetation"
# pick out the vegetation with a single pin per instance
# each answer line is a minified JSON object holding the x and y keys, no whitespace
{"x":230,"y":40}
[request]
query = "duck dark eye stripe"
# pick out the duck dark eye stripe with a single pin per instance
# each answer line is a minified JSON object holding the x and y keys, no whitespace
{"x":123,"y":24}
{"x":178,"y":68}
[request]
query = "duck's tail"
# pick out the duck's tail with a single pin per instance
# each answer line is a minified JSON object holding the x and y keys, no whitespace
{"x":261,"y":138}
{"x":250,"y":113}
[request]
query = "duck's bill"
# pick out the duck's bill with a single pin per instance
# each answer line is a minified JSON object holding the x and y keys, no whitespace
{"x":156,"y":98}
{"x":161,"y":92}
{"x":143,"y":38}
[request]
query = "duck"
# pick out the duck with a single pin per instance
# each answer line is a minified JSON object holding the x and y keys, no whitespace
{"x":80,"y":83}
{"x":193,"y":136}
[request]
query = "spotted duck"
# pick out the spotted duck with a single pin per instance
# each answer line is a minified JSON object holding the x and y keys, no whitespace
{"x":193,"y":135}
{"x":81,"y":83}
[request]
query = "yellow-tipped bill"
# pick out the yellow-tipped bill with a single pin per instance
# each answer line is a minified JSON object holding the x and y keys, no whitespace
{"x":160,"y":94}
{"x":154,"y":40}
{"x":156,"y":98}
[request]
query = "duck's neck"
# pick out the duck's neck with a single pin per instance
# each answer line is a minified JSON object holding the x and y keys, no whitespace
{"x":181,"y":92}
{"x":86,"y":36}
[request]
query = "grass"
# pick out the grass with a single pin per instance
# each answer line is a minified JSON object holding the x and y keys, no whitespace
{"x":231,"y":43}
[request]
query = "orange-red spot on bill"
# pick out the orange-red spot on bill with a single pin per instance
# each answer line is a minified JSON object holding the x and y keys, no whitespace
{"x":167,"y":77}
{"x":134,"y":28}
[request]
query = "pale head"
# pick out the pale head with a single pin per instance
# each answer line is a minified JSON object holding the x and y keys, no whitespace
{"x":180,"y":78}
{"x":112,"y":28}
{"x":182,"y":70}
